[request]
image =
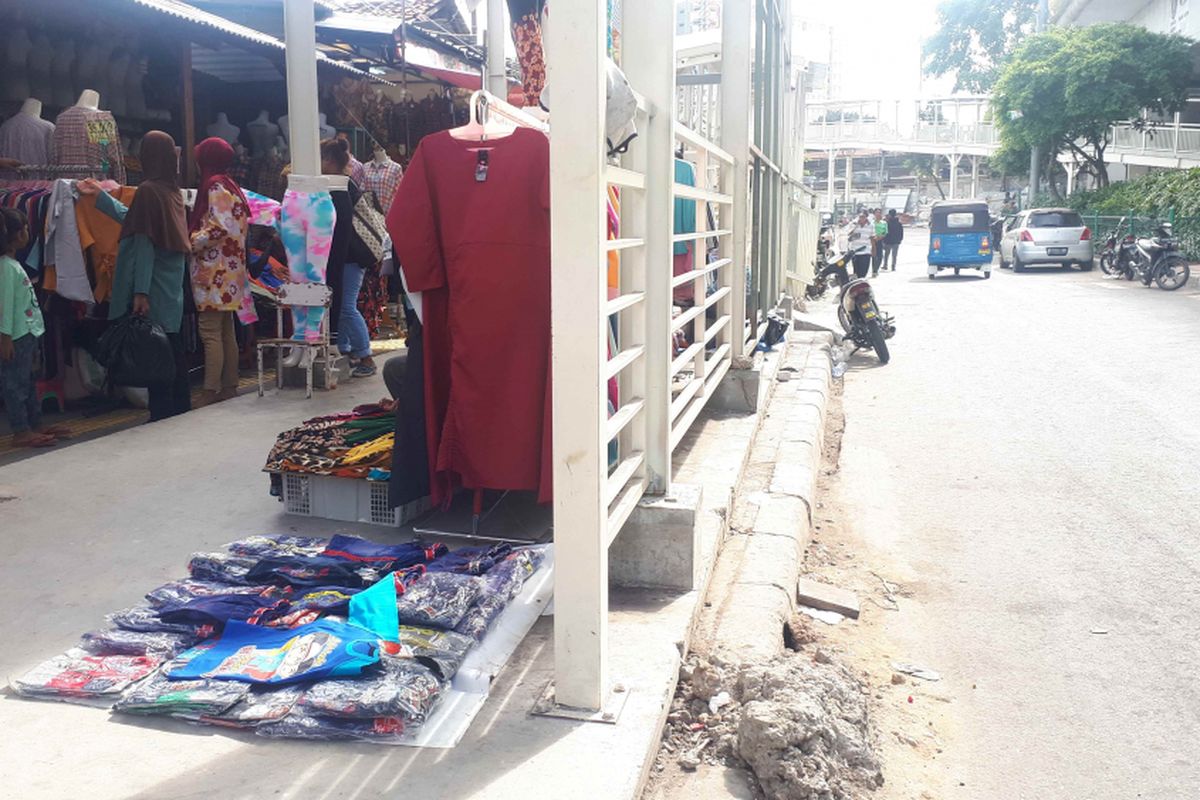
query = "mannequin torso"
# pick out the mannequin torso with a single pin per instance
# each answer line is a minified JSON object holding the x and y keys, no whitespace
{"x":262,"y":133}
{"x":222,"y":128}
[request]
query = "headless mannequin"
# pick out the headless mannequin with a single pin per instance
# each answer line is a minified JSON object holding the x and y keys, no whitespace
{"x":32,"y":107}
{"x":26,"y":136}
{"x":61,"y":70}
{"x":14,"y":78}
{"x":89,"y":99}
{"x":222,"y":128}
{"x":262,"y":133}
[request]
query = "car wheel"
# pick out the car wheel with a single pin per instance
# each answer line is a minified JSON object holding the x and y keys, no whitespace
{"x":956,"y":271}
{"x":1087,"y":266}
{"x":1016,"y":263}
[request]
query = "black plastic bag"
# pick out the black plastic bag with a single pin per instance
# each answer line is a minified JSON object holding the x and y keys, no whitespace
{"x":136,"y":352}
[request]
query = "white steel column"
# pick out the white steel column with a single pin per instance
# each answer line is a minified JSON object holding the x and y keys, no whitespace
{"x":737,"y":35}
{"x":974,"y":177}
{"x":832,"y":175}
{"x":954,"y":157}
{"x":578,"y":293}
{"x":300,"y":36}
{"x":648,"y":58}
{"x":497,"y":36}
{"x":1072,"y":171}
{"x":849,"y":178}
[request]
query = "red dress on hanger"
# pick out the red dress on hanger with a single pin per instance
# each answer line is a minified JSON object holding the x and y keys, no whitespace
{"x":479,"y":250}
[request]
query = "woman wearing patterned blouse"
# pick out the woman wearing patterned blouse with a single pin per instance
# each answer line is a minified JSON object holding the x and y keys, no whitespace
{"x":218,"y":224}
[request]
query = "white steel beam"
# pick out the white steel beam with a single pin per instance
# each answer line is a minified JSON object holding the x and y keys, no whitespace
{"x":575,"y":49}
{"x":497,"y":36}
{"x":737,"y":35}
{"x":300,"y":36}
{"x":648,"y":58}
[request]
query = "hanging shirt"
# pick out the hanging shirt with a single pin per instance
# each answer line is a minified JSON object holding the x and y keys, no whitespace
{"x":27,"y":139}
{"x":66,"y":270}
{"x":100,"y":238}
{"x":479,"y":250}
{"x":382,"y":179}
{"x":685,"y":210}
{"x":19,"y":311}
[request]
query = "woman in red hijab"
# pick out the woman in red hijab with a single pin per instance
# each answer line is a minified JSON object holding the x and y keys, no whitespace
{"x":218,"y":226}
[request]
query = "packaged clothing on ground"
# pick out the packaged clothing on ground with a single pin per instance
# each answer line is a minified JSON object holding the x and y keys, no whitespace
{"x":261,"y":704}
{"x":438,"y":600}
{"x":501,"y":584}
{"x":218,"y":609}
{"x":119,"y":642}
{"x":145,"y":618}
{"x":221,"y":567}
{"x":315,"y":571}
{"x":188,"y":699}
{"x":472,"y":560}
{"x":176,"y":592}
{"x":403,"y":688}
{"x":283,"y":545}
{"x":80,"y":676}
{"x":324,"y":649}
{"x":383,"y":730}
{"x":396,"y":556}
{"x":441,"y":651}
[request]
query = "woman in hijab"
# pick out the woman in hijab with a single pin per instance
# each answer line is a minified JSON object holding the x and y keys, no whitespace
{"x":218,"y":225}
{"x":149,"y":276}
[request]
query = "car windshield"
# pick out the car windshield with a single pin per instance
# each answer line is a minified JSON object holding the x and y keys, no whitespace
{"x":1055,"y":219}
{"x":944,"y":220}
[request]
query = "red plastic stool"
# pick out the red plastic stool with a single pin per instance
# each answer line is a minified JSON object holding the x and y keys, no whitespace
{"x":51,"y":388}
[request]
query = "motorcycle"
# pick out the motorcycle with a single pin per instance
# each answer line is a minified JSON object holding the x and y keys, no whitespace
{"x":1159,"y":259}
{"x":1119,"y":253}
{"x":860,"y":316}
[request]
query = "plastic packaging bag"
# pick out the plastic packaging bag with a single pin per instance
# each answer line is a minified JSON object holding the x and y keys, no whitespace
{"x":221,"y":567}
{"x":118,"y":642}
{"x":177,"y":592}
{"x":296,"y":725}
{"x":77,"y":676}
{"x":282,"y":545}
{"x":136,"y":352}
{"x":146,"y":619}
{"x":403,"y":688}
{"x":262,"y":704}
{"x":186,"y":699}
{"x":441,"y":651}
{"x":438,"y":600}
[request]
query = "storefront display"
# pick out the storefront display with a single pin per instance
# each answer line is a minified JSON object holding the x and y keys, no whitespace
{"x":325,"y":676}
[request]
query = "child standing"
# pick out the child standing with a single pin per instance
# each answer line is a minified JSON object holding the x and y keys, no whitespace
{"x":20,"y":328}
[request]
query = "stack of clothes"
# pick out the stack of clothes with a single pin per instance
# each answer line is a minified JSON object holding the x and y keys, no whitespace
{"x":357,"y":444}
{"x":297,"y":637}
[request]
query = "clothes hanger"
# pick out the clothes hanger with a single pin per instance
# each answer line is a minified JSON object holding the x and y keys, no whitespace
{"x":482,"y":124}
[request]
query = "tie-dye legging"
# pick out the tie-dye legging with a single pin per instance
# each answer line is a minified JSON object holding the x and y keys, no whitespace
{"x":306,"y":228}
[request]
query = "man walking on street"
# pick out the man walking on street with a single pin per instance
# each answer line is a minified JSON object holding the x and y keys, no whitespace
{"x":881,"y":228}
{"x":892,"y":239}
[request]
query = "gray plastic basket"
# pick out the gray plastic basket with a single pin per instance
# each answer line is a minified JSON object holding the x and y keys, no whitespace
{"x":346,"y":499}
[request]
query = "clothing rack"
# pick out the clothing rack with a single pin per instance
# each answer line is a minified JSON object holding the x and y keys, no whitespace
{"x":51,"y":171}
{"x":484,"y":103}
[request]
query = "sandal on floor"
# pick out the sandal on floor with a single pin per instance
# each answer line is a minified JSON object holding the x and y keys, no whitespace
{"x":57,"y":431}
{"x":35,"y":440}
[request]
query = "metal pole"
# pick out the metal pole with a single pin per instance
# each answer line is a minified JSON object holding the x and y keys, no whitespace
{"x":832,"y":175}
{"x":497,"y":80}
{"x":736,"y":39}
{"x":849,"y":177}
{"x":300,"y":35}
{"x":1035,"y":155}
{"x":578,"y":294}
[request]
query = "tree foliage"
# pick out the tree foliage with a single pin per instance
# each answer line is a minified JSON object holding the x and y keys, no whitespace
{"x":1063,"y":89}
{"x":1151,"y":194}
{"x":974,"y":39}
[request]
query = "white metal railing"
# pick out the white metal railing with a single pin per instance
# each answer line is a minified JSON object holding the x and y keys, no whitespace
{"x":700,"y":366}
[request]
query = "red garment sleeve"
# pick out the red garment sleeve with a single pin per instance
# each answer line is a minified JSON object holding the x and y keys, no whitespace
{"x":412,"y":224}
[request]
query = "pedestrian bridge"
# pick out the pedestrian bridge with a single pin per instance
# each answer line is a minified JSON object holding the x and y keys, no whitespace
{"x":963,"y":126}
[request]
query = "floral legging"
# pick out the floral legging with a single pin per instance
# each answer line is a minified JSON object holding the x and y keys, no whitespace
{"x":306,"y":229}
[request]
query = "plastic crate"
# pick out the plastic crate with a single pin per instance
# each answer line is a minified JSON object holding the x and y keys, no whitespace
{"x":346,"y":499}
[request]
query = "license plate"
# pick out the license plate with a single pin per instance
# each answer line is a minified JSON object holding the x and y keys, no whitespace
{"x":1056,"y":251}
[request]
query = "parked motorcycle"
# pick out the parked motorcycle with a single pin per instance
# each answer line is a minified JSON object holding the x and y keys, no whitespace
{"x":865,"y":325}
{"x":1158,"y":258}
{"x":1119,"y":252}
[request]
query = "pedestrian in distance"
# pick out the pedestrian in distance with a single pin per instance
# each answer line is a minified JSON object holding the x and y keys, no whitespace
{"x":860,"y":242}
{"x":892,"y":239}
{"x":881,"y":228}
{"x":21,"y":329}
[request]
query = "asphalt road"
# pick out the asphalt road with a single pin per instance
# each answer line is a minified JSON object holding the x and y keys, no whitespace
{"x":1029,"y":461}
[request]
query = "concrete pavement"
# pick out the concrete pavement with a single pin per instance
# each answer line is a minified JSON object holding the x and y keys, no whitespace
{"x":1027,"y":462}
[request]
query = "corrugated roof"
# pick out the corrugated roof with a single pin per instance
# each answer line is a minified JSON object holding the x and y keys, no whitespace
{"x":191,"y":14}
{"x":444,"y":12}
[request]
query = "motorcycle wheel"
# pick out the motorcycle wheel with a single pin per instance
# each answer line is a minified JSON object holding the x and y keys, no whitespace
{"x":1108,"y":264}
{"x":878,"y":341}
{"x":844,"y":319}
{"x":1172,"y":273}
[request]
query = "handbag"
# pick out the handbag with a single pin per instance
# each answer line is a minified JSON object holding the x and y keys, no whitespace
{"x":136,"y":352}
{"x":370,"y":226}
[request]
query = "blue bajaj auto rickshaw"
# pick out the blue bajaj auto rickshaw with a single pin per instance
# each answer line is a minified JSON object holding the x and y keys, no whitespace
{"x":960,"y":237}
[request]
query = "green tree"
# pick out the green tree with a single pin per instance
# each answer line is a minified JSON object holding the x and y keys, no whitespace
{"x":1063,"y":89}
{"x":975,"y":37}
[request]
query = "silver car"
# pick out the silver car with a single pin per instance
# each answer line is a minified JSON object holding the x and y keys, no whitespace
{"x":1046,"y":236}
